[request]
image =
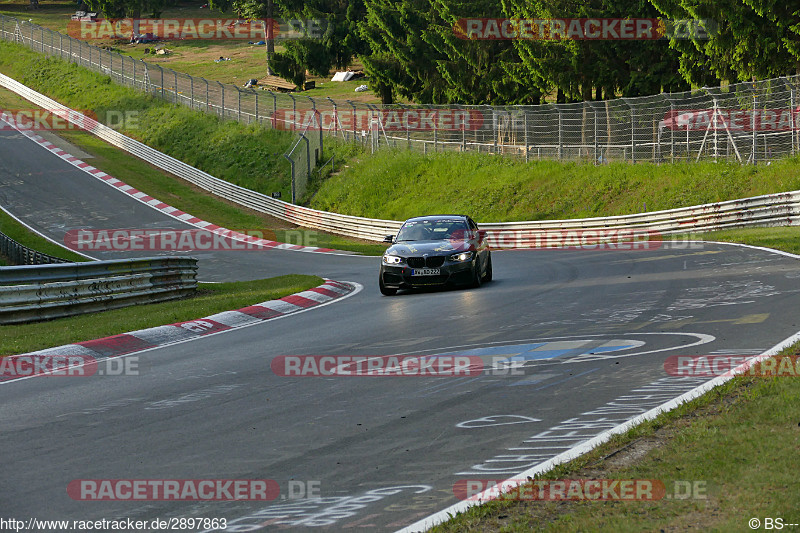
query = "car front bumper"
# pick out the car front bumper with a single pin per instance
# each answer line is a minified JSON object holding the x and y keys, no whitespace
{"x":400,"y":277}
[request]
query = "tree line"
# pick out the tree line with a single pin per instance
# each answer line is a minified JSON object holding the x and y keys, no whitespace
{"x":414,"y":49}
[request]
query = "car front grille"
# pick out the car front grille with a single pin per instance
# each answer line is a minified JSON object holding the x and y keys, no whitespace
{"x":435,"y":262}
{"x":420,"y":262}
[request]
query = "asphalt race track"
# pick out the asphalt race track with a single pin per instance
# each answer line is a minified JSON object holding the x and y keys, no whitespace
{"x":591,"y":331}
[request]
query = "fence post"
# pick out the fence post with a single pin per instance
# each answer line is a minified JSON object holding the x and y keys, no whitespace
{"x":238,"y":104}
{"x":525,"y":125}
{"x":435,"y":132}
{"x":294,"y":113}
{"x":596,"y":160}
{"x":633,"y":134}
{"x":222,"y":106}
{"x":255,"y":92}
{"x":355,"y":138}
{"x":672,"y":133}
{"x":162,"y":80}
{"x":495,"y":121}
{"x":335,"y":115}
{"x":714,"y":127}
{"x":191,"y":92}
{"x":291,"y":162}
{"x":753,"y":124}
{"x":792,"y":124}
{"x":318,"y":119}
{"x":560,"y":132}
{"x":463,"y":132}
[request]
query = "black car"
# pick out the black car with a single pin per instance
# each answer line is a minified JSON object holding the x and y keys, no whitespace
{"x":435,"y":251}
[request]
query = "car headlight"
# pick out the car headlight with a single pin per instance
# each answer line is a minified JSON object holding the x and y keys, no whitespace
{"x":461,"y":257}
{"x":392,"y":260}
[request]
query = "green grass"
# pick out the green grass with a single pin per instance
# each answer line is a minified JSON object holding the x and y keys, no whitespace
{"x":247,"y":155}
{"x":402,"y":184}
{"x":781,"y":238}
{"x":211,"y":298}
{"x":736,"y":440}
{"x":26,"y":237}
{"x":250,"y":156}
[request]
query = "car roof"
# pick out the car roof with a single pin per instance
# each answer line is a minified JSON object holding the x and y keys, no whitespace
{"x":438,"y":217}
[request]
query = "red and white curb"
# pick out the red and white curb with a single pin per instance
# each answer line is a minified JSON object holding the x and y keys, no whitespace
{"x":146,"y":339}
{"x":158,"y":204}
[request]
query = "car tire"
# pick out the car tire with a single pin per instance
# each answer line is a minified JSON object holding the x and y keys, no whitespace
{"x":487,"y":276}
{"x":476,"y":274}
{"x":386,"y":291}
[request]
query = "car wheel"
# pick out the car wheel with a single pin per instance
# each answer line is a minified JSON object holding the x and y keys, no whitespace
{"x":487,"y":276}
{"x":386,"y":291}
{"x":476,"y":274}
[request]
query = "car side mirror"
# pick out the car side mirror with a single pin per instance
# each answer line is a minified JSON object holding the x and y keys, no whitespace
{"x":389,"y":239}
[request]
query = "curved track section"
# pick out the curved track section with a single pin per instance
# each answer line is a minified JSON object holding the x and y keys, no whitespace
{"x":585,"y":333}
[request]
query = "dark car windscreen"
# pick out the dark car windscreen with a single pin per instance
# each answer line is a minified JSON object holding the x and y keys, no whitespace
{"x":432,"y":230}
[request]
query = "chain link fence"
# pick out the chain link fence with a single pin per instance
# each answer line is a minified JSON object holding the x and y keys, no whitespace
{"x":745,"y":122}
{"x":304,"y":155}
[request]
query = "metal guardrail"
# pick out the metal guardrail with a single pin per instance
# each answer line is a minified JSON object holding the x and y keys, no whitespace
{"x":43,"y":292}
{"x":766,"y":210}
{"x":19,"y":254}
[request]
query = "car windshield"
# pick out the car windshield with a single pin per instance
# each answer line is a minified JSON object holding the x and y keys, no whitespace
{"x":432,"y":230}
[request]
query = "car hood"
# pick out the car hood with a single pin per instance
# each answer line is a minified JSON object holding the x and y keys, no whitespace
{"x":418,"y":248}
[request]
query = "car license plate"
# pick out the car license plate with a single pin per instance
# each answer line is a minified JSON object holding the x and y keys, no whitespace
{"x":425,"y":272}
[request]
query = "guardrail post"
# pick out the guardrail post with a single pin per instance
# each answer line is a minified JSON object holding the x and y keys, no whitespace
{"x":191,"y":92}
{"x":255,"y":93}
